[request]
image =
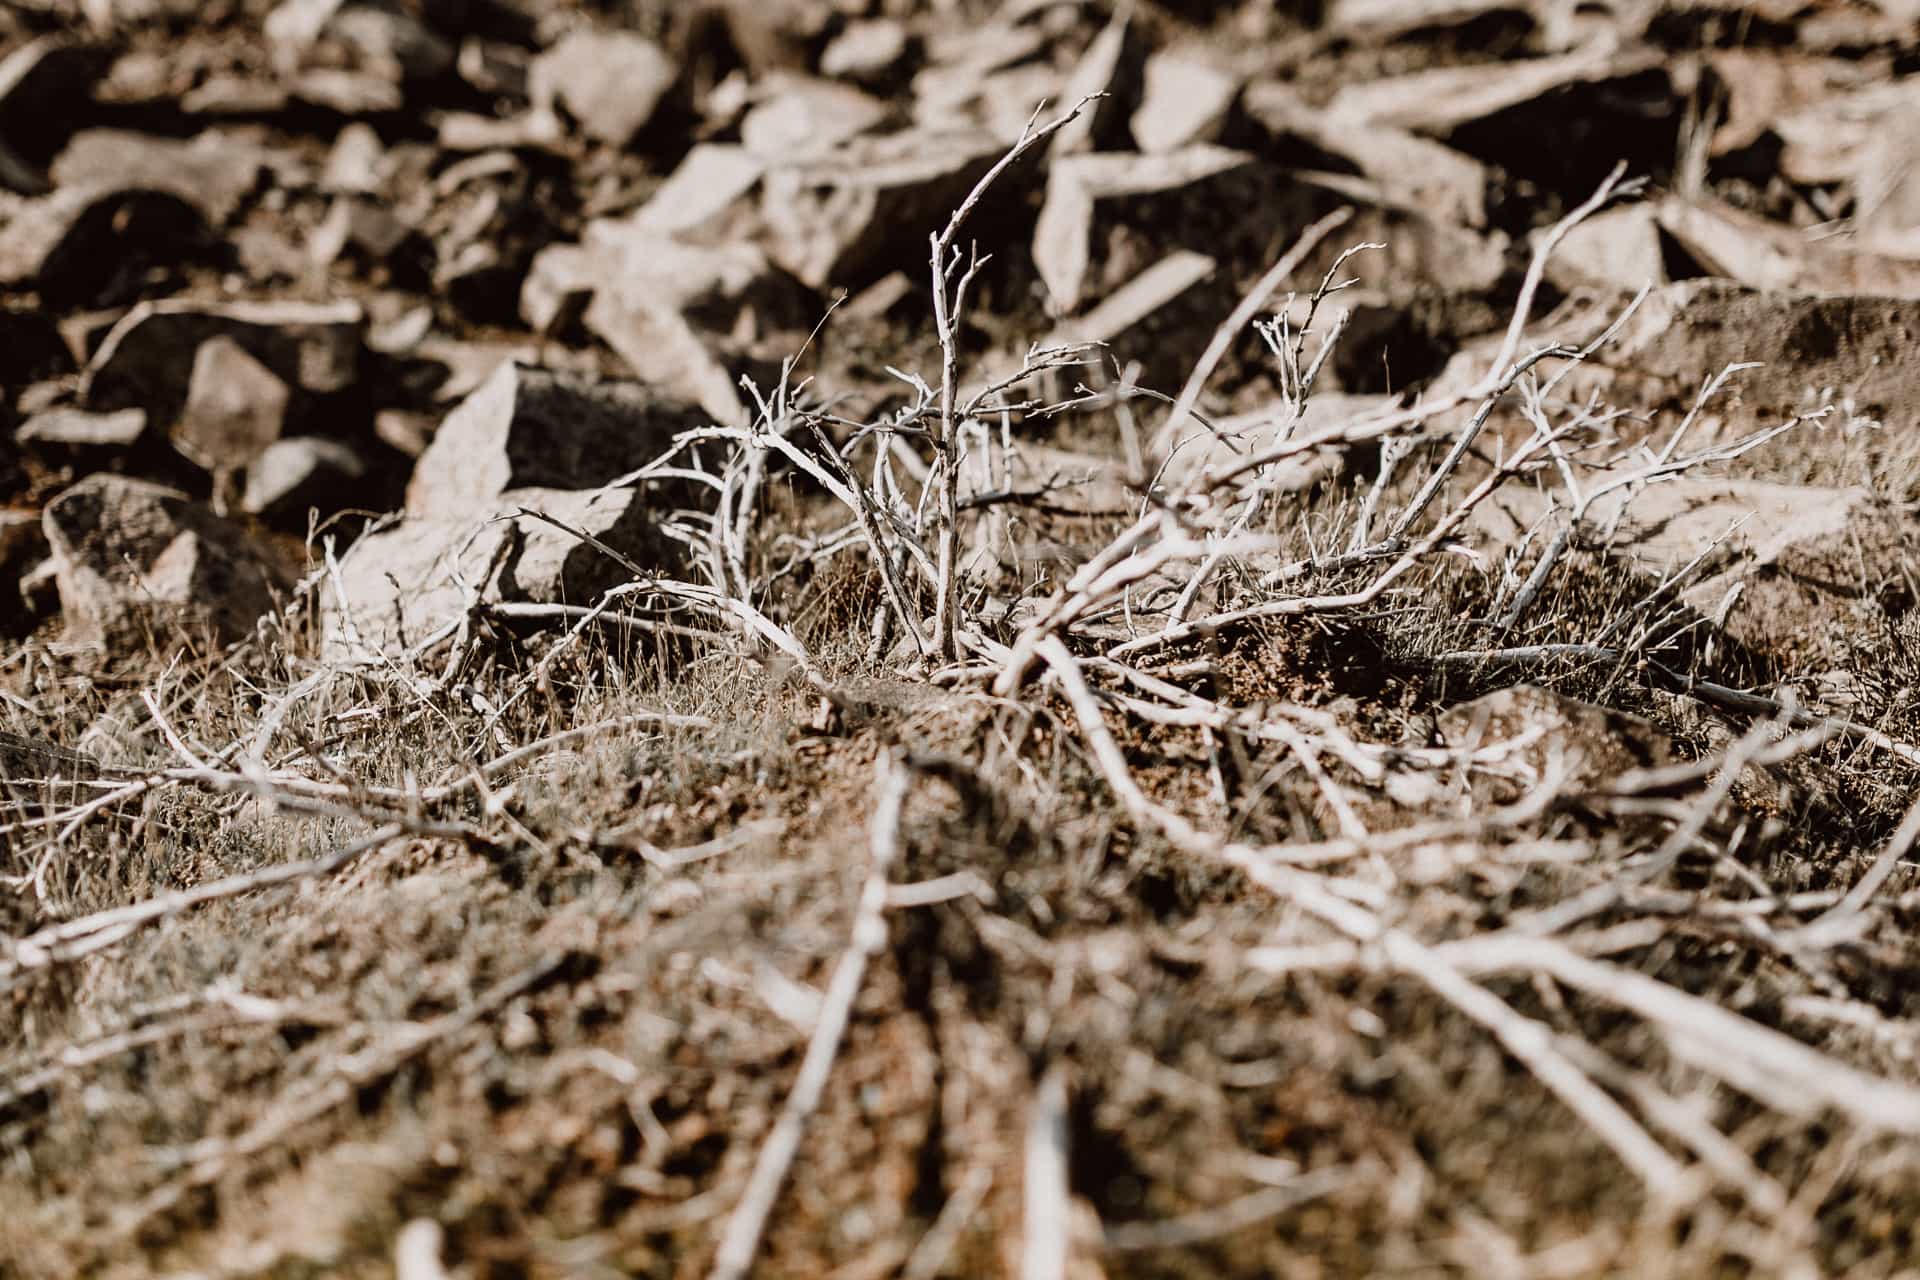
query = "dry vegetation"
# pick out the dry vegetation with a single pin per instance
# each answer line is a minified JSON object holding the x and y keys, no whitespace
{"x":1248,"y":866}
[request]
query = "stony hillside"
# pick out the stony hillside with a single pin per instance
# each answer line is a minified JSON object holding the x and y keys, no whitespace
{"x":872,"y":638}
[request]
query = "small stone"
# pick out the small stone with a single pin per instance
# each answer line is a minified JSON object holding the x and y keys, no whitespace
{"x":235,"y":408}
{"x":1186,"y":100}
{"x":351,"y":93}
{"x":215,"y":174}
{"x":536,"y":428}
{"x":398,"y":586}
{"x":79,"y":429}
{"x":359,"y":225}
{"x":808,"y":117}
{"x":870,"y":52}
{"x":1615,"y":249}
{"x":299,"y":473}
{"x":494,"y":68}
{"x":232,"y":95}
{"x":850,"y":216}
{"x":1084,"y":194}
{"x":530,"y":130}
{"x":405,"y":432}
{"x":610,"y":82}
{"x":353,"y":165}
{"x":147,"y":360}
{"x":1420,"y":173}
{"x":713,"y":178}
{"x":140,"y":566}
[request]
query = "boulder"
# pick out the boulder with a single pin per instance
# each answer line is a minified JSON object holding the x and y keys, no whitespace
{"x":537,"y":428}
{"x":140,"y":565}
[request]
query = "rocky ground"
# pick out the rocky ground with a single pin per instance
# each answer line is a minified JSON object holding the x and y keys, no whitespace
{"x":907,"y":639}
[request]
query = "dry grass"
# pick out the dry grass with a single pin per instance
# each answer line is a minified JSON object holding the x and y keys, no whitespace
{"x":1203,"y":953}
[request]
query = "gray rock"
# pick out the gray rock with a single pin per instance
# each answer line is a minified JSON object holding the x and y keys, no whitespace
{"x":808,"y":117}
{"x":847,"y":217}
{"x":78,"y":429}
{"x":1417,"y":172}
{"x":779,"y":36}
{"x":360,"y":225}
{"x":1112,"y":67}
{"x":147,"y":360}
{"x":390,"y":41}
{"x":382,"y":41}
{"x":351,"y":93}
{"x":529,"y":130}
{"x":537,"y":428}
{"x":140,"y":565}
{"x":214,"y":173}
{"x":301,"y":472}
{"x":870,"y":52}
{"x":233,"y":95}
{"x":397,"y":586}
{"x":235,"y":408}
{"x":664,"y":306}
{"x":1616,"y":249}
{"x":1107,"y":215}
{"x":694,"y":200}
{"x":353,"y":166}
{"x":495,"y":68}
{"x":1186,"y":100}
{"x":1440,"y":100}
{"x":1765,"y":254}
{"x":610,"y":82}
